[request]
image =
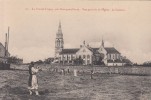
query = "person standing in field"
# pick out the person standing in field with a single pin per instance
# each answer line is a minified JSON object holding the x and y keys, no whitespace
{"x":33,"y":81}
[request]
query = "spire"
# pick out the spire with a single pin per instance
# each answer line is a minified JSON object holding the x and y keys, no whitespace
{"x":59,"y":24}
{"x":84,"y":42}
{"x":102,"y":42}
{"x":59,"y":42}
{"x":59,"y":28}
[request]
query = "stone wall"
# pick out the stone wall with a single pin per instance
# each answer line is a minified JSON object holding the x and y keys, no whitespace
{"x":135,"y":70}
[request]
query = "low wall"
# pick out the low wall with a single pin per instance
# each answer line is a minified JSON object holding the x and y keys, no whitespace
{"x":19,"y":67}
{"x":136,"y":70}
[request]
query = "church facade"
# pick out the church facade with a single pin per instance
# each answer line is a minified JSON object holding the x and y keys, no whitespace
{"x":108,"y":56}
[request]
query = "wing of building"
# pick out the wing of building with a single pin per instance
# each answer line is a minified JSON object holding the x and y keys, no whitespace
{"x":4,"y":54}
{"x":104,"y":55}
{"x":87,"y":55}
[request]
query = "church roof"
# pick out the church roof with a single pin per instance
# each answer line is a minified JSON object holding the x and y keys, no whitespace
{"x":69,"y":51}
{"x":110,"y":50}
{"x":94,"y":50}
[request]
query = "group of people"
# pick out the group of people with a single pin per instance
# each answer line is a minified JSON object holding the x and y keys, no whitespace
{"x":33,"y":81}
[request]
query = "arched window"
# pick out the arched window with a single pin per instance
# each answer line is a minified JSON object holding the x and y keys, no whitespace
{"x":113,"y":56}
{"x":61,"y":42}
{"x":88,"y":56}
{"x":83,"y":56}
{"x":58,"y":42}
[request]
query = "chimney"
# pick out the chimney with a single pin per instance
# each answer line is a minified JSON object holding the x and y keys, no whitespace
{"x":6,"y":45}
{"x":8,"y":39}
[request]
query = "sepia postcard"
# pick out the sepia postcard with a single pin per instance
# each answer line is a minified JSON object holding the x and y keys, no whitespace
{"x":75,"y":50}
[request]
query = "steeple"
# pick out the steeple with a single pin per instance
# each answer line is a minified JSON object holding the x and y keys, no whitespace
{"x":59,"y":24}
{"x":84,"y":42}
{"x":59,"y":42}
{"x":59,"y":28}
{"x":102,"y":42}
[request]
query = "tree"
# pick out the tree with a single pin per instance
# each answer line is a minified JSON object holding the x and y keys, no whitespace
{"x":128,"y":62}
{"x":148,"y":63}
{"x":97,"y":59}
{"x":48,"y":60}
{"x":39,"y":62}
{"x":78,"y":61}
{"x":14,"y":60}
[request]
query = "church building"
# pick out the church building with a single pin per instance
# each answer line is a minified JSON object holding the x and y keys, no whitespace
{"x":102,"y":55}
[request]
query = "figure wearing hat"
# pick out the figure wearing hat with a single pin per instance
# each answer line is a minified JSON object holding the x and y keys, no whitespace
{"x":33,"y":81}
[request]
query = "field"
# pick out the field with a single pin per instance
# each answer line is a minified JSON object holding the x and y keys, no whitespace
{"x":56,"y":86}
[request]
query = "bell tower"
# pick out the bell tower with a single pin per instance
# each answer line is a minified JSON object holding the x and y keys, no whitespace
{"x":59,"y":43}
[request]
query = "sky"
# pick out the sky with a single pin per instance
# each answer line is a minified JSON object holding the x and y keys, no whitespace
{"x":126,"y":25}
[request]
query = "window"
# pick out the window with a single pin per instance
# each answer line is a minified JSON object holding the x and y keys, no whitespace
{"x":117,"y":56}
{"x":58,"y":42}
{"x":88,"y":61}
{"x":61,"y":57}
{"x":83,"y":56}
{"x":108,"y":56}
{"x":67,"y":57}
{"x":84,"y":62}
{"x":71,"y":57}
{"x":113,"y":56}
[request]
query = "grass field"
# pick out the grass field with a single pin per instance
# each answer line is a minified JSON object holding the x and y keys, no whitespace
{"x":55,"y":86}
